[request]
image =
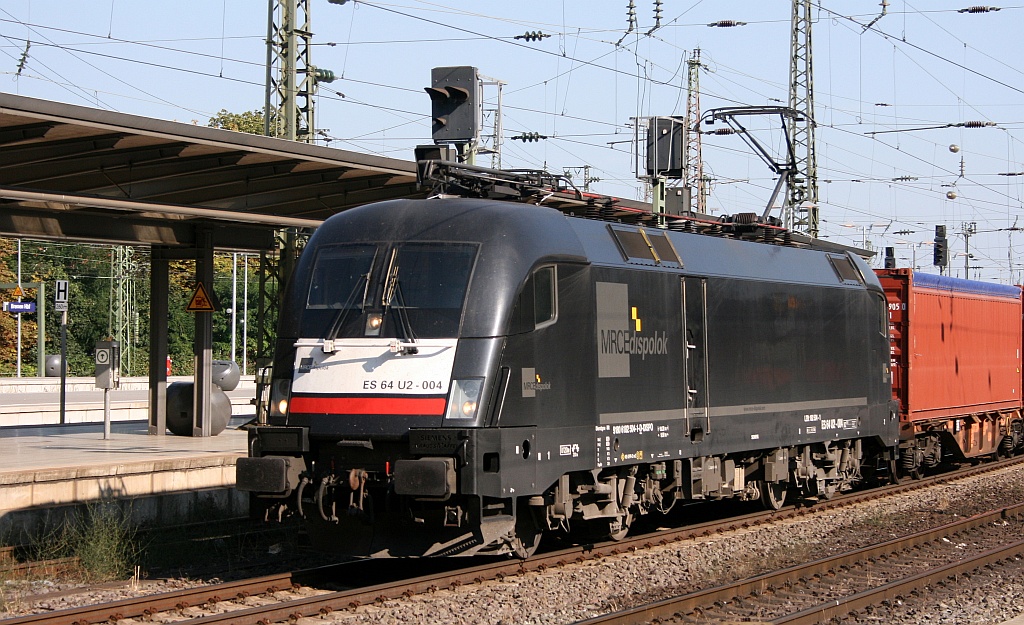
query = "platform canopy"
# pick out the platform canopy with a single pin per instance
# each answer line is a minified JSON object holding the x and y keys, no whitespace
{"x":72,"y":172}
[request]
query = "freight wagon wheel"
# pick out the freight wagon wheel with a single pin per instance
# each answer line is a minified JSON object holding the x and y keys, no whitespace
{"x":1008,"y":446}
{"x":910,"y":463}
{"x":773,"y":494}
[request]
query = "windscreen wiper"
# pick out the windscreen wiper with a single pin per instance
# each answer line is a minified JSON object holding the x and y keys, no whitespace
{"x":407,"y":340}
{"x":404,"y":324}
{"x":342,"y":315}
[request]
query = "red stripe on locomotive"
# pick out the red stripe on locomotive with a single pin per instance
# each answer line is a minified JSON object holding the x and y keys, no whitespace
{"x":427,"y":406}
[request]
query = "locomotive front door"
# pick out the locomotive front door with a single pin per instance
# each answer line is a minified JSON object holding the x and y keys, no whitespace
{"x":695,"y":335}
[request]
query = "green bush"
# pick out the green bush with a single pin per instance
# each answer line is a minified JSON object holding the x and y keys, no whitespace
{"x":101,"y":536}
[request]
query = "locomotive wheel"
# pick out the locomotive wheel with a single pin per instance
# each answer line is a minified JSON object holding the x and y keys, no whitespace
{"x":773,"y":494}
{"x":619,"y":527}
{"x":528,"y":532}
{"x":894,"y":474}
{"x":604,"y":528}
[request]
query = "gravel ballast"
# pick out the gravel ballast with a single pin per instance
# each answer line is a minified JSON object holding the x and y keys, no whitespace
{"x":584,"y":590}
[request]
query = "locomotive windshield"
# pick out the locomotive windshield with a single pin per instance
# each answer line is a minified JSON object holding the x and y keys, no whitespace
{"x":419,"y":288}
{"x":338,"y":275}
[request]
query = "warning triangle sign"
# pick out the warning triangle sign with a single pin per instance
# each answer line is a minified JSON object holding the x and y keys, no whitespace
{"x":200,"y":301}
{"x":18,"y":292}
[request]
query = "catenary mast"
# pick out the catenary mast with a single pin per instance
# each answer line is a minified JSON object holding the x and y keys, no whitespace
{"x":801,"y":209}
{"x":291,"y":76}
{"x":694,"y":171}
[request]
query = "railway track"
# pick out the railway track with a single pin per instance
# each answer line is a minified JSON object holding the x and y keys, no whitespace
{"x":848,"y":584}
{"x":11,"y":569}
{"x":286,"y":598}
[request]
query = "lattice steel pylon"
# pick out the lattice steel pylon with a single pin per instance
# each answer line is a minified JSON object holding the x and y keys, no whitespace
{"x":491,"y":144}
{"x":123,"y":318}
{"x":801,"y":209}
{"x":693,"y":173}
{"x":291,"y":85}
{"x":276,"y":268}
{"x":291,"y":76}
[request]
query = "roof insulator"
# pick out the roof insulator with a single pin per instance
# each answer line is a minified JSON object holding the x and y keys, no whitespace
{"x":529,"y":137}
{"x":532,"y":35}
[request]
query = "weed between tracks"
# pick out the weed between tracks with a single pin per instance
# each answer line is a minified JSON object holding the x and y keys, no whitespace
{"x":745,"y":565}
{"x":91,"y":544}
{"x":103,"y":542}
{"x":876,"y":519}
{"x":100,"y":537}
{"x":708,"y":566}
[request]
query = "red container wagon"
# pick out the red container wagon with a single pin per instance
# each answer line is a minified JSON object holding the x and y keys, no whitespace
{"x":956,"y":366}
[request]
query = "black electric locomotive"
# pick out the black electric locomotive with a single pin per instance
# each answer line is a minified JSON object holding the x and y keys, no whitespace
{"x":459,"y":376}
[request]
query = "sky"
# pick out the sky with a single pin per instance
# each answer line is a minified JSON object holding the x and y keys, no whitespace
{"x":919,"y":111}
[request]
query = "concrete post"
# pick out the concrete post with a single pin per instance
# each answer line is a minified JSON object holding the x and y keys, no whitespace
{"x":204,"y":337}
{"x":159,"y":285}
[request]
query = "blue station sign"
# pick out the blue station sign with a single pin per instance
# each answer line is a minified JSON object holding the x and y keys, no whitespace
{"x":20,"y":307}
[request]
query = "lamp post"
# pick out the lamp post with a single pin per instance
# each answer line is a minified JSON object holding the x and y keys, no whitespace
{"x":967,"y":260}
{"x":864,"y":229}
{"x":913,"y":246}
{"x":968,"y":230}
{"x":19,"y":312}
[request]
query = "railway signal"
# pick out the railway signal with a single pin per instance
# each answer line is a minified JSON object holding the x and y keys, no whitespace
{"x":454,"y":104}
{"x":940,"y":253}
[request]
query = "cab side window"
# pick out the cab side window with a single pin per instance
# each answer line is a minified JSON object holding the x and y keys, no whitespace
{"x":545,"y":298}
{"x":537,"y":305}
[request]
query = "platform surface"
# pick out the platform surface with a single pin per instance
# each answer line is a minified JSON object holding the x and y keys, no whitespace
{"x":29,"y":449}
{"x":45,"y":470}
{"x":36,"y":401}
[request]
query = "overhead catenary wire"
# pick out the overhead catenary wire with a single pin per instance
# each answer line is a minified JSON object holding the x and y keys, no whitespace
{"x":739,"y":86}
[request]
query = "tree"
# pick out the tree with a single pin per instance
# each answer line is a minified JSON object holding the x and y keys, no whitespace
{"x":90,"y":273}
{"x":251,"y":122}
{"x":8,"y":324}
{"x":181,"y":323}
{"x":87,"y":268}
{"x":9,"y":321}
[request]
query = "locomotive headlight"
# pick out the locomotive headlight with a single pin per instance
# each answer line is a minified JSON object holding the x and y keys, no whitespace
{"x":373,"y":323}
{"x":280,"y":394}
{"x":464,"y":398}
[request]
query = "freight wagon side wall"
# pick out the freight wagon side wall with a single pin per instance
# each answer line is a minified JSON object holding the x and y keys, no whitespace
{"x":956,"y":345}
